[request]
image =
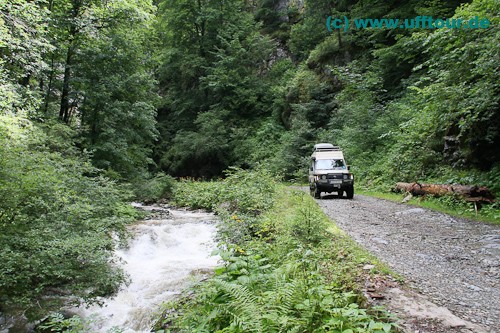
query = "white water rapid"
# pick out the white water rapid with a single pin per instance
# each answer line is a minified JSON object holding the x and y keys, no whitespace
{"x":166,"y":254}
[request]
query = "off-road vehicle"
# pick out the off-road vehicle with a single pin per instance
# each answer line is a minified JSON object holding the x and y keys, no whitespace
{"x":329,"y":172}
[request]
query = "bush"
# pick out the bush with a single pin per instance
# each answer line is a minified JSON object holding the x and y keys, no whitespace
{"x":196,"y":195}
{"x":246,"y":191}
{"x":57,"y":222}
{"x":153,"y":189}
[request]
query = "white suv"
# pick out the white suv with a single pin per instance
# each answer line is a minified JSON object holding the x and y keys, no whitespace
{"x":329,"y":172}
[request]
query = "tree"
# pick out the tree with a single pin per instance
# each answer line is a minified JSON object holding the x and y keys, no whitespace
{"x":118,"y":89}
{"x":454,"y":102}
{"x":100,"y":79}
{"x":56,"y":222}
{"x":23,"y":42}
{"x":57,"y":212}
{"x":212,"y":74}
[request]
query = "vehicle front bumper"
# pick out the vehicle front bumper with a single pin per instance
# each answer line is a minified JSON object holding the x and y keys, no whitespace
{"x":333,"y":185}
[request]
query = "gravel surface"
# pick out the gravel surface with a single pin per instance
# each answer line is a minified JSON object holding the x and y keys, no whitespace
{"x":454,"y":263}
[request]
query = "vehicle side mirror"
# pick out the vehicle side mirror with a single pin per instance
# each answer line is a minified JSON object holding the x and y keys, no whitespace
{"x":311,"y":168}
{"x":348,"y":167}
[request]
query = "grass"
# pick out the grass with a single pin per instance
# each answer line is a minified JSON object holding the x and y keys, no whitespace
{"x":286,"y":267}
{"x":447,"y":205}
{"x":345,"y":253}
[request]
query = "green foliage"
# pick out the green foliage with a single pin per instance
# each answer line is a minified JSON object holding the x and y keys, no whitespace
{"x":23,"y":42}
{"x":56,"y":322}
{"x":277,"y":19}
{"x":214,"y":77}
{"x":58,"y":215}
{"x":151,"y":190}
{"x":463,"y":99}
{"x":305,"y":226}
{"x":310,"y":31}
{"x":443,"y":123}
{"x":284,"y":270}
{"x":196,"y":195}
{"x":403,"y":104}
{"x":114,"y":76}
{"x":247,"y":191}
{"x":90,"y":64}
{"x":411,"y":108}
{"x":57,"y":220}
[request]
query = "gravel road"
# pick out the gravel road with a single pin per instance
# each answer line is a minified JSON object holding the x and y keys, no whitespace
{"x":452,"y":263}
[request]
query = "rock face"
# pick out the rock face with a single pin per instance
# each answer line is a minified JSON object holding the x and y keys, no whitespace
{"x":451,"y":265}
{"x":281,"y":7}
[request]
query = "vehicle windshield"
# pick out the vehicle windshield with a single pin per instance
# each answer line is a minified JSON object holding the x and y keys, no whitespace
{"x":330,"y":165}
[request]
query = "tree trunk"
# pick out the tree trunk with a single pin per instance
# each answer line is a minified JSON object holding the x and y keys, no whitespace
{"x":438,"y":190}
{"x":64,"y":110}
{"x":64,"y":113}
{"x":49,"y":85}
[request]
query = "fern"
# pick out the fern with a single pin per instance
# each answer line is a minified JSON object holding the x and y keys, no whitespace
{"x":276,"y":284}
{"x":242,"y":306}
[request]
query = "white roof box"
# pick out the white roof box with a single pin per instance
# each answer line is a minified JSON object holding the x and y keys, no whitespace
{"x":325,"y":147}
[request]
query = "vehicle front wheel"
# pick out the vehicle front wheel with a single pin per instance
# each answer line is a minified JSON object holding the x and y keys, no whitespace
{"x":315,"y":192}
{"x":350,"y":192}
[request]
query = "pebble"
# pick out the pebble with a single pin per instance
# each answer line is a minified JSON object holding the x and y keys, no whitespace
{"x":451,"y":260}
{"x":473,"y":287}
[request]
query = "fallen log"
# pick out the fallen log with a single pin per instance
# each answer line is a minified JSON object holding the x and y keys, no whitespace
{"x":479,"y":193}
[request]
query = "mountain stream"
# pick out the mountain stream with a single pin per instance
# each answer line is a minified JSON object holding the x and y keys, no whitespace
{"x":169,"y":250}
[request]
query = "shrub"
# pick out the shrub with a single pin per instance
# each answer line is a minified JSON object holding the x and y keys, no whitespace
{"x":153,"y":189}
{"x":245,"y":191}
{"x":57,"y":221}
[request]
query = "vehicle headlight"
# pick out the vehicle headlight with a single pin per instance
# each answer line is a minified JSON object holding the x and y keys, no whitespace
{"x":346,"y":176}
{"x":323,"y":177}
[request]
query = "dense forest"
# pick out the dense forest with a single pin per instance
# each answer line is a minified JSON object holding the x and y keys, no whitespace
{"x":100,"y":101}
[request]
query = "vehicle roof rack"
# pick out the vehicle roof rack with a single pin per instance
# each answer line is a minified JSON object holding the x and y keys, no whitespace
{"x":325,"y":147}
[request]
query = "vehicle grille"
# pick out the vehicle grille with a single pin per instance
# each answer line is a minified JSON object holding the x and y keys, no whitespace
{"x":334,"y":176}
